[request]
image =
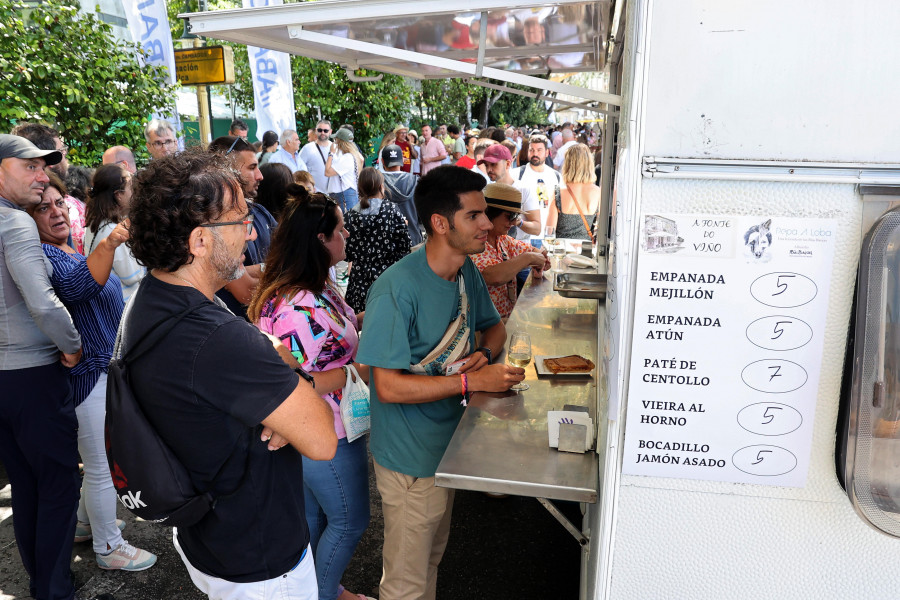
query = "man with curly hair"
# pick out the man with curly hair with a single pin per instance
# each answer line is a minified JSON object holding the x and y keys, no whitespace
{"x":215,"y":386}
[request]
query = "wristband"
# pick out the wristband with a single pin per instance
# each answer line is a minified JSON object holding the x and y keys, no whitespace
{"x":465,"y":383}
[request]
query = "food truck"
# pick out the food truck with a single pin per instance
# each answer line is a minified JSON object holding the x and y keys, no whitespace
{"x":743,"y":411}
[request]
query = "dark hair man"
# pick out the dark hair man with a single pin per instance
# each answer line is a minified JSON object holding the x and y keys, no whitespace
{"x":415,"y":405}
{"x":542,"y":181}
{"x":38,"y":427}
{"x":238,"y":129}
{"x":45,"y":138}
{"x":237,"y":293}
{"x":399,"y":188}
{"x":459,"y":142}
{"x":225,"y":385}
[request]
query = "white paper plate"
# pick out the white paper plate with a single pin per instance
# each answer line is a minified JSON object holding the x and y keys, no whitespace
{"x":542,"y":370}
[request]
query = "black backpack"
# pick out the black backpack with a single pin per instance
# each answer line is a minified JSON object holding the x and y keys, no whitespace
{"x":149,"y":479}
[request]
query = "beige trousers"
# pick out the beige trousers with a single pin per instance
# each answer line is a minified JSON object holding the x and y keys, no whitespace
{"x":416,"y":528}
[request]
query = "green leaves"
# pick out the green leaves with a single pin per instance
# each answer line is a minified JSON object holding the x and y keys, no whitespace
{"x":68,"y":69}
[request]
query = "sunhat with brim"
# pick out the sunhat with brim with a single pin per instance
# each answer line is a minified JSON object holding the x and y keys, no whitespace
{"x":342,"y":134}
{"x":400,"y":128}
{"x":13,"y":146}
{"x":503,"y":196}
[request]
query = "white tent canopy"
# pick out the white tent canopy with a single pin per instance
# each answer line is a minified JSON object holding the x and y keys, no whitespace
{"x":426,"y":39}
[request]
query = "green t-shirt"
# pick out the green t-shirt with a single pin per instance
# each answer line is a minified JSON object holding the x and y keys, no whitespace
{"x":407,"y":312}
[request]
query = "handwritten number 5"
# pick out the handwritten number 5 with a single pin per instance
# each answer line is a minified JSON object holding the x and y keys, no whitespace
{"x":782,"y":286}
{"x":759,"y":456}
{"x":778,"y":329}
{"x":768,"y":416}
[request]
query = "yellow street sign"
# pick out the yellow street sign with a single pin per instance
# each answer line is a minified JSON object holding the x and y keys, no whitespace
{"x":207,"y":65}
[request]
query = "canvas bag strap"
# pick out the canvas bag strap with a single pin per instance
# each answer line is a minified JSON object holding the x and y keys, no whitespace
{"x":587,"y":227}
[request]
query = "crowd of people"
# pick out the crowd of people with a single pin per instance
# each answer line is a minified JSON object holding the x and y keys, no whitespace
{"x":240,"y":244}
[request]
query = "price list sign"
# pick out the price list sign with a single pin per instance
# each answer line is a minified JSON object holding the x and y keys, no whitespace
{"x":727,"y":350}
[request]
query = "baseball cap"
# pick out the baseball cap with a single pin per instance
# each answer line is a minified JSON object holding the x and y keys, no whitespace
{"x":13,"y":146}
{"x":342,"y":134}
{"x":503,"y":196}
{"x":495,"y":154}
{"x":391,"y":155}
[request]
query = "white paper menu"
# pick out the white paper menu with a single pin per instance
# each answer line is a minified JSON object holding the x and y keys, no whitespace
{"x":728,"y":339}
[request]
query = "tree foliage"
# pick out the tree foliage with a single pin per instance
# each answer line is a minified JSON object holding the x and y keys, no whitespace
{"x":67,"y":68}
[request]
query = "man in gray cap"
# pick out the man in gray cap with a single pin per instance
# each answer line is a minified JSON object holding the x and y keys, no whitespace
{"x":399,"y":188}
{"x":38,"y":341}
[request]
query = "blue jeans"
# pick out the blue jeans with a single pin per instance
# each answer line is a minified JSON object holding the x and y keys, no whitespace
{"x":346,"y":199}
{"x":336,"y":493}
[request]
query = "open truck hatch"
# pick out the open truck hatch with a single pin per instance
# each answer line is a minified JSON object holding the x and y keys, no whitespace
{"x":433,"y":39}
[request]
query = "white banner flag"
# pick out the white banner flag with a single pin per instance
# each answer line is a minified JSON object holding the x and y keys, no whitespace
{"x":273,"y":92}
{"x":149,"y":26}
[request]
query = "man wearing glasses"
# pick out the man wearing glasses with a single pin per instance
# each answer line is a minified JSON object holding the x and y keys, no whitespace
{"x":315,"y":155}
{"x":160,"y":138}
{"x":217,"y":390}
{"x":237,"y":293}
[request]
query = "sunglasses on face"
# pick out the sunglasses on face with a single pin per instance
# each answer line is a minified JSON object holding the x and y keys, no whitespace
{"x":323,"y":130}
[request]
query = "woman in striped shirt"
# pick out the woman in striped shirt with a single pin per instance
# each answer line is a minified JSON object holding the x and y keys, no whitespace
{"x":93,"y":296}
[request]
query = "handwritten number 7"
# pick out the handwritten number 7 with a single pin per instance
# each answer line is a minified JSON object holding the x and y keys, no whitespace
{"x":759,"y":456}
{"x":782,"y":286}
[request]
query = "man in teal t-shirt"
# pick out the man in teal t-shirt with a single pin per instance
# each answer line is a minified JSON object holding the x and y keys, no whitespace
{"x":409,"y":308}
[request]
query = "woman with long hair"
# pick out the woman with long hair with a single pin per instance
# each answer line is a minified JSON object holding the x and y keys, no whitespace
{"x":296,"y":302}
{"x":108,"y":202}
{"x":93,"y":296}
{"x":269,"y":146}
{"x":344,"y":162}
{"x":574,"y":212}
{"x":378,"y":237}
{"x":272,"y":190}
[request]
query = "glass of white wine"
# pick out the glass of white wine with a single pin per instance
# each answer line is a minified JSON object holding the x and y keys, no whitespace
{"x":550,"y":240}
{"x":519,"y":355}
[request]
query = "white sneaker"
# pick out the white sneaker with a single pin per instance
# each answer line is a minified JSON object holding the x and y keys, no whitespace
{"x":126,"y":558}
{"x":83,"y":531}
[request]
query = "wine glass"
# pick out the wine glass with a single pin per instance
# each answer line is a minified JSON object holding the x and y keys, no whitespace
{"x":550,"y":240}
{"x":519,"y":355}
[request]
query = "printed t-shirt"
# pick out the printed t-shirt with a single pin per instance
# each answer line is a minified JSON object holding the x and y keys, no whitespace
{"x":205,"y":387}
{"x":543,"y":185}
{"x":407,"y":312}
{"x":506,"y":248}
{"x":407,"y":156}
{"x":319,"y":330}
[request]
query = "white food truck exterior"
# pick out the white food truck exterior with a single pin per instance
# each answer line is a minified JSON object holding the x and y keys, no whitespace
{"x":772,"y":86}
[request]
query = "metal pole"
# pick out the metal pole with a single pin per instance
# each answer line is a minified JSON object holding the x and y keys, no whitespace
{"x":203,"y":108}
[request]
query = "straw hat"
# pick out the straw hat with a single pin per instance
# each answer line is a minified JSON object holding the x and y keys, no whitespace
{"x":503,"y":196}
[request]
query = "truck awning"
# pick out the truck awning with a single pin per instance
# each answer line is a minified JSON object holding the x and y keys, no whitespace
{"x":433,"y":39}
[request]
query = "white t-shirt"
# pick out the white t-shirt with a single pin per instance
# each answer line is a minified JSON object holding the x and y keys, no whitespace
{"x":315,"y":164}
{"x":529,"y":202}
{"x":543,"y":185}
{"x":345,"y":165}
{"x":561,"y":154}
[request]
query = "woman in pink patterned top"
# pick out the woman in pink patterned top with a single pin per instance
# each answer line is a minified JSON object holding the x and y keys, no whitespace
{"x":295,"y":302}
{"x":504,"y":256}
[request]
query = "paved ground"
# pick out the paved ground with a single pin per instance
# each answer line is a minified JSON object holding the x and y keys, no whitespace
{"x":499,"y":548}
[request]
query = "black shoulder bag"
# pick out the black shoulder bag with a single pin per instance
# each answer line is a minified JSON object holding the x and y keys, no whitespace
{"x":149,"y":479}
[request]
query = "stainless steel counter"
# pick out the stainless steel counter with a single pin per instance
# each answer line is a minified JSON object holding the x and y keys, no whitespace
{"x":501,"y":443}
